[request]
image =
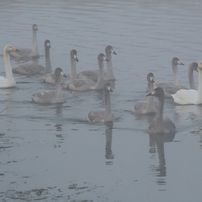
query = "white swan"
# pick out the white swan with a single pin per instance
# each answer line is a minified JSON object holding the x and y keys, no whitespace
{"x":52,"y":96}
{"x":170,"y":87}
{"x":93,"y":74}
{"x":88,"y":84}
{"x":159,"y":125}
{"x":49,"y":78}
{"x":191,"y":96}
{"x":32,"y":68}
{"x":25,"y":53}
{"x":9,"y":81}
{"x":146,"y":107}
{"x":103,"y":115}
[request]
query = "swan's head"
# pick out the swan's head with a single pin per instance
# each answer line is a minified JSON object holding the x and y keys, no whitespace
{"x":109,"y":49}
{"x":158,"y":92}
{"x":34,"y":27}
{"x":194,"y":66}
{"x":9,"y":48}
{"x":107,"y":88}
{"x":150,"y":77}
{"x":200,"y":66}
{"x":176,"y":61}
{"x":73,"y":55}
{"x":47,"y":43}
{"x":59,"y":72}
{"x":101,"y":57}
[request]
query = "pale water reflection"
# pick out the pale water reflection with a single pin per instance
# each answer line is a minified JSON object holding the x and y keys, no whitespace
{"x":51,"y":153}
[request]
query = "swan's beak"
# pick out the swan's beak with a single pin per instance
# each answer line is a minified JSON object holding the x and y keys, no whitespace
{"x":106,"y":60}
{"x":75,"y":57}
{"x":180,"y":63}
{"x":62,"y":74}
{"x":114,"y":52}
{"x":151,"y":94}
{"x":14,"y":49}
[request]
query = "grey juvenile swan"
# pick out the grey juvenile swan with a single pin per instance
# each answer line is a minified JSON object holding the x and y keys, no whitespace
{"x":52,"y":96}
{"x":93,"y":74}
{"x":103,"y":115}
{"x":159,"y":125}
{"x":9,"y":81}
{"x":146,"y":107}
{"x":32,"y":68}
{"x":25,"y":53}
{"x":170,"y":87}
{"x":88,"y":84}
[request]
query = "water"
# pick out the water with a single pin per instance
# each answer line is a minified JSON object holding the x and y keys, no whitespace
{"x":51,"y":153}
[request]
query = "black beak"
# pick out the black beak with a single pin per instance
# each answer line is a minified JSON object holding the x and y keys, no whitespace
{"x":149,"y":94}
{"x":77,"y":59}
{"x":114,"y":53}
{"x":111,"y":90}
{"x":107,"y":60}
{"x":17,"y":50}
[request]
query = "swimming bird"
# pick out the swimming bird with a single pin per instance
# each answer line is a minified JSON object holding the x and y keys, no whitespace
{"x":9,"y":81}
{"x":103,"y":115}
{"x":32,"y":68}
{"x":190,"y":96}
{"x":25,"y":53}
{"x":172,"y":87}
{"x":93,"y":74}
{"x":88,"y":84}
{"x":159,"y":125}
{"x":146,"y":107}
{"x":52,"y":96}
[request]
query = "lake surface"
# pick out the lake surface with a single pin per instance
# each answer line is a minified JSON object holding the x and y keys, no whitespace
{"x":51,"y":153}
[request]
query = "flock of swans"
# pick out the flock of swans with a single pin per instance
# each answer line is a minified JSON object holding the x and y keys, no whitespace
{"x":100,"y":80}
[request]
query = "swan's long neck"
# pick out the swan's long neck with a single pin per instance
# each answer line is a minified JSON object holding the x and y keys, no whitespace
{"x":73,"y":70}
{"x":35,"y":51}
{"x":150,"y":99}
{"x":191,"y":78}
{"x":9,"y":74}
{"x":58,"y":89}
{"x":107,"y":107}
{"x":48,"y":61}
{"x":199,"y":99}
{"x":159,"y":114}
{"x":100,"y":81}
{"x":175,"y":74}
{"x":110,"y":73}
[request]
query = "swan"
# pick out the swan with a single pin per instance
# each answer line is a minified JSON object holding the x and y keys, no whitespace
{"x":103,"y":115}
{"x":32,"y":68}
{"x":191,"y":96}
{"x":159,"y":124}
{"x":52,"y":96}
{"x":49,"y":78}
{"x":170,"y":87}
{"x":87,"y":84}
{"x":192,"y":67}
{"x":9,"y":81}
{"x":25,"y":53}
{"x":146,"y":107}
{"x":93,"y":74}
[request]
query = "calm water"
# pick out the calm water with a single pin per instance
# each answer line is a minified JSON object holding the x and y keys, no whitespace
{"x":51,"y":153}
